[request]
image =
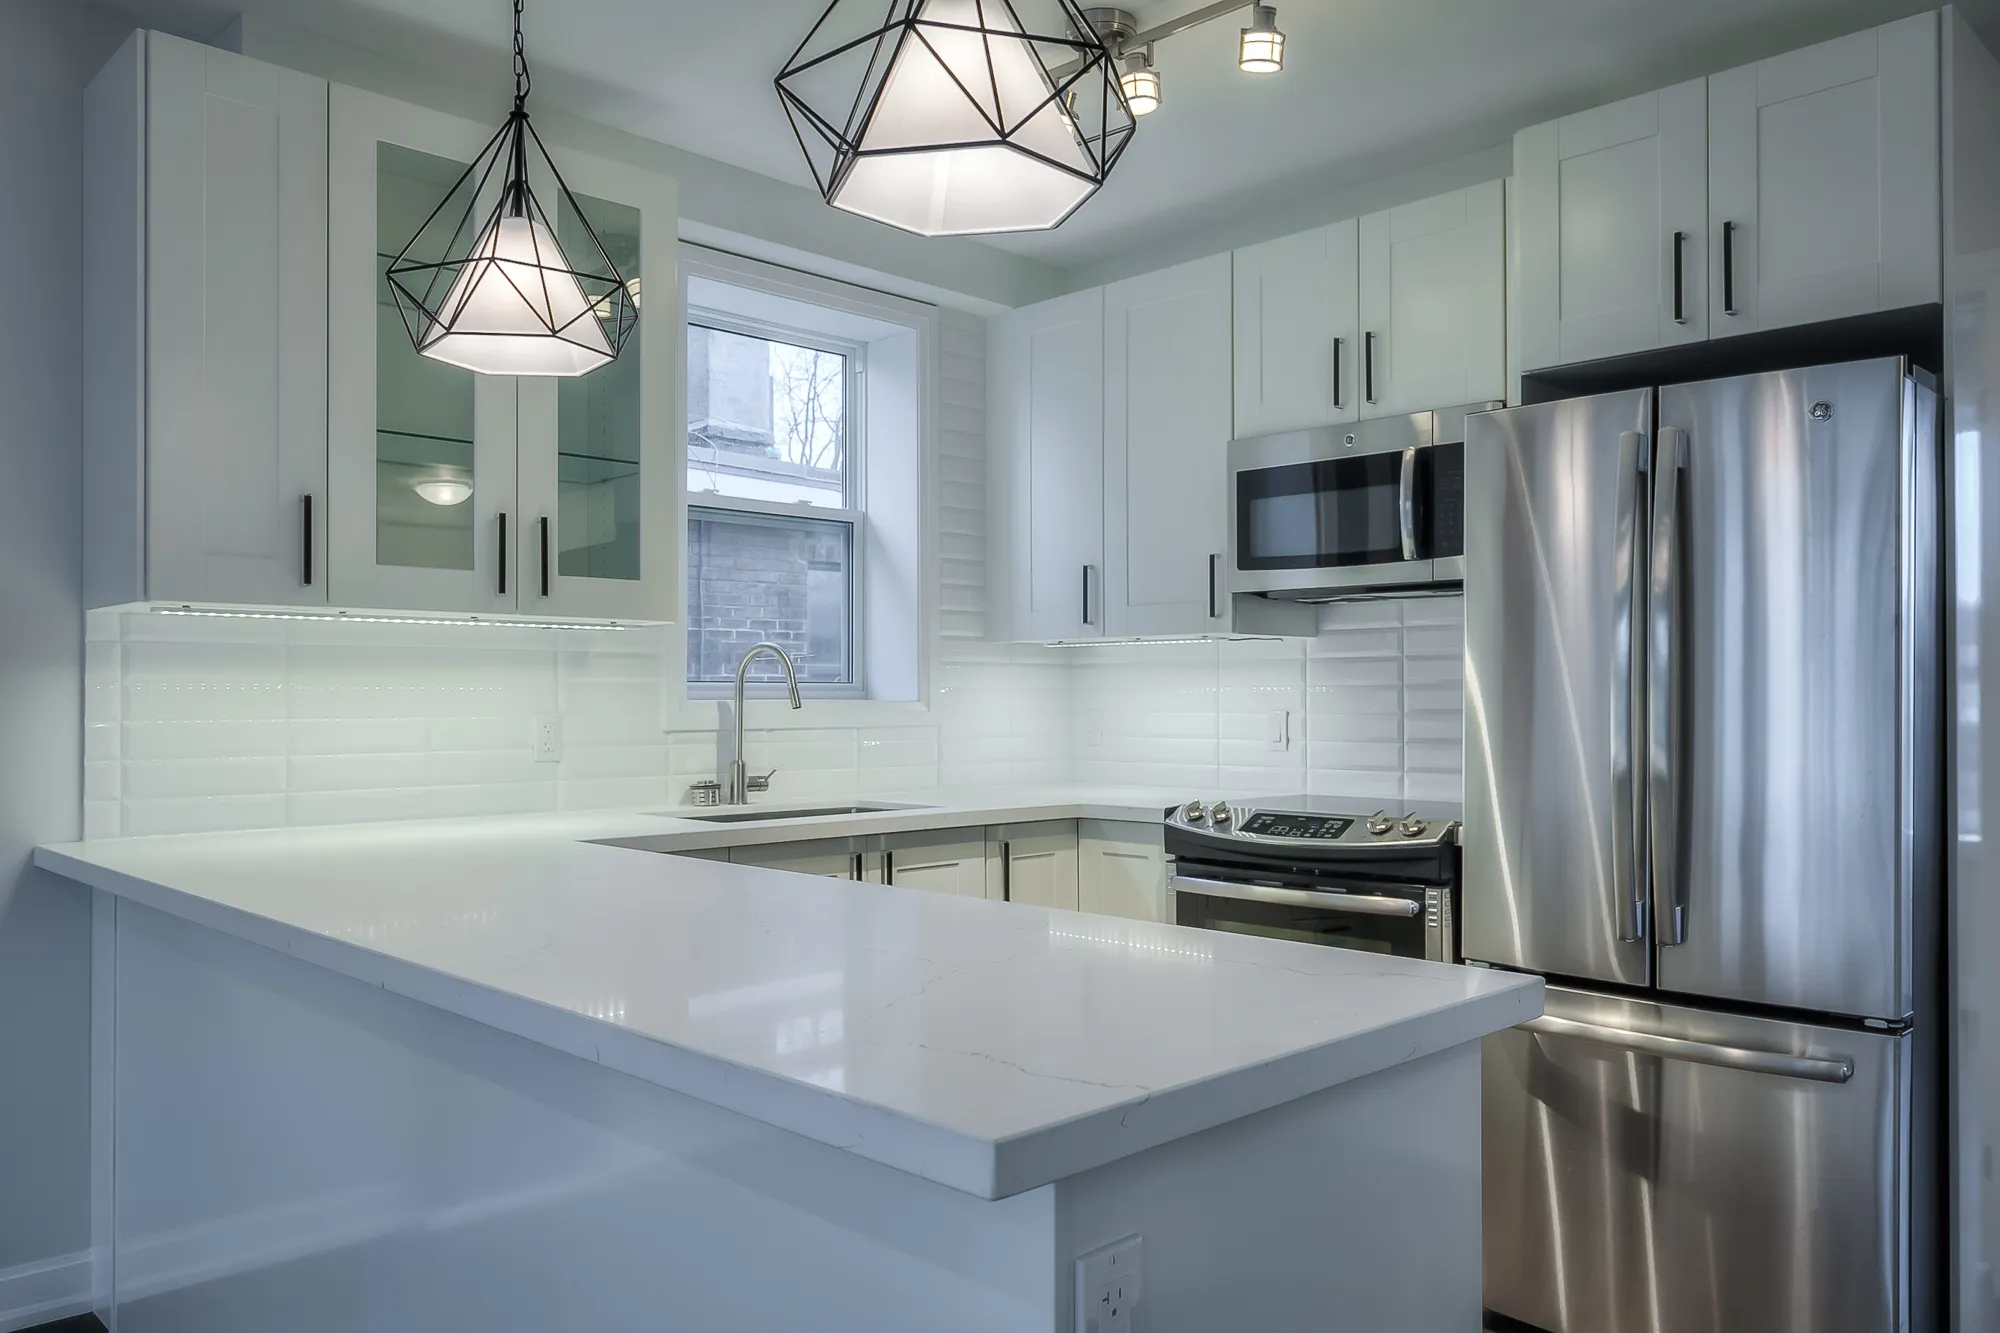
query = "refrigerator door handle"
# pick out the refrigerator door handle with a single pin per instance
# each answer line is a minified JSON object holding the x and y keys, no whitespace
{"x":1663,"y":597}
{"x":1817,"y":1069}
{"x":1628,"y":845}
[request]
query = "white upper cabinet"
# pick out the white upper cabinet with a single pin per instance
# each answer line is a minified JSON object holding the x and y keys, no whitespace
{"x":1823,"y":181}
{"x":205,"y":414}
{"x":1297,"y":313}
{"x":1798,"y":189}
{"x":1613,"y":210}
{"x":1433,"y":293}
{"x":1046,"y":469}
{"x":570,"y":508}
{"x":1166,"y":456}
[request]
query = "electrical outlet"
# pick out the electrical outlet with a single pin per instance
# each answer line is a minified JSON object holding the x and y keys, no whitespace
{"x":1278,"y":729}
{"x":548,"y":738}
{"x":1109,"y":1287}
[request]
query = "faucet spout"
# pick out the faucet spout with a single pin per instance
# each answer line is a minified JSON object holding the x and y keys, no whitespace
{"x":739,"y":776}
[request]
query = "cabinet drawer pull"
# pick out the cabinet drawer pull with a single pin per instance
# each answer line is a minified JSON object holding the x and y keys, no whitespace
{"x":1729,"y":268}
{"x":503,"y":554}
{"x":1368,"y":366}
{"x":545,"y":554}
{"x":306,"y":544}
{"x":1339,"y":346}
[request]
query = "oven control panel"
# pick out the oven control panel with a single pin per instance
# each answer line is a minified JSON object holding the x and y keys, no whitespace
{"x":1275,"y":824}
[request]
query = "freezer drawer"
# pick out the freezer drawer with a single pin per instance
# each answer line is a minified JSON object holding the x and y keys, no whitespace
{"x":1654,"y":1169}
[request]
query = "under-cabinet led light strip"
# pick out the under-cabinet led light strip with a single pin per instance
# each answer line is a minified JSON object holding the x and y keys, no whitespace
{"x":1161,"y":643}
{"x":344,"y":618}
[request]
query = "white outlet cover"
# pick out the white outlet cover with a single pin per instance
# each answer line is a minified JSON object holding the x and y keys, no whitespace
{"x":1110,"y":1286}
{"x":547,"y":738}
{"x":1278,"y":728}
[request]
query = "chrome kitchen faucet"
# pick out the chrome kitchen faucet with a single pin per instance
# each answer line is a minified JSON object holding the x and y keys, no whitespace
{"x":741,"y":784}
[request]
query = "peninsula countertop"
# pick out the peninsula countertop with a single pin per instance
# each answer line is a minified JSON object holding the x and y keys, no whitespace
{"x":992,"y":1047}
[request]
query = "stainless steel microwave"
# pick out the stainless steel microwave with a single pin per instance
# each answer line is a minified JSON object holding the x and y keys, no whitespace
{"x":1345,"y":511}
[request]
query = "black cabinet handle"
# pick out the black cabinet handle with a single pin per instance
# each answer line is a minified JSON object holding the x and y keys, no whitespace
{"x":503,"y":554}
{"x":545,"y":555}
{"x":1006,"y":872}
{"x":1729,"y":268}
{"x":1214,"y":587}
{"x":1680,"y":263}
{"x":306,"y":542}
{"x":1339,"y":346}
{"x":1368,"y":366}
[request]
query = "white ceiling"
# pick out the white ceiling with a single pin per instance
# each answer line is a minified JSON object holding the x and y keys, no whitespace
{"x":1371,"y":88}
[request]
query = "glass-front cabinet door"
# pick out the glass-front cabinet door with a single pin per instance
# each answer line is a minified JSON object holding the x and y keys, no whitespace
{"x":422,"y":466}
{"x":597,"y":478}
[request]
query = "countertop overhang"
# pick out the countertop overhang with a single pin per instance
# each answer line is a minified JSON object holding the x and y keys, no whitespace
{"x":991,"y":1047}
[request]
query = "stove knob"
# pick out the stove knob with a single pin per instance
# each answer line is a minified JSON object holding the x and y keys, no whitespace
{"x":1413,"y":827}
{"x":1193,"y":812}
{"x":1220,"y":813}
{"x":1379,"y":824}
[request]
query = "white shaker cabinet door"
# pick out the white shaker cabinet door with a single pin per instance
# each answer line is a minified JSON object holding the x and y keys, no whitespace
{"x":1823,"y":181}
{"x":1433,"y":287}
{"x":830,"y":858}
{"x":1166,"y":450}
{"x":1046,"y":468}
{"x":1612,"y":205}
{"x":1036,"y":863}
{"x":948,"y":861}
{"x":235,"y":317}
{"x":1295,"y":327}
{"x":1121,"y":870}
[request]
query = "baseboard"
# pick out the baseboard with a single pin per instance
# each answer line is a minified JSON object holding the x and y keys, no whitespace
{"x":45,"y":1291}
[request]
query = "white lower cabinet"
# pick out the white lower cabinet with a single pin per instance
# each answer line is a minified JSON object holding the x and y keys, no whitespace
{"x":832,"y":858}
{"x":946,"y":861}
{"x":1122,"y":869}
{"x":1033,"y":863}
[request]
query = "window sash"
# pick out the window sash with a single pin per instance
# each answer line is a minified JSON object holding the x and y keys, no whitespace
{"x":853,"y":414}
{"x":856,"y":522}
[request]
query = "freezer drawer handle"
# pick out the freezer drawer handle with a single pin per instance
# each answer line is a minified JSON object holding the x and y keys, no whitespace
{"x":1367,"y":904}
{"x":1808,"y":1067}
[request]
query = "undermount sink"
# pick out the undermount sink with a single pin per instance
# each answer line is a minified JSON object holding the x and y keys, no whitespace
{"x":817,"y":812}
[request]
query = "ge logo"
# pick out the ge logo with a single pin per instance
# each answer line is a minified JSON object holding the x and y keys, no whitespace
{"x":1822,"y":410}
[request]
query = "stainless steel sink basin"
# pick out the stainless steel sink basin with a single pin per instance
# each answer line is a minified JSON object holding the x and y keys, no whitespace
{"x":756,"y":816}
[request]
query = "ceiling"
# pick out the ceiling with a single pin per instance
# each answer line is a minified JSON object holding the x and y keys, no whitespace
{"x":1371,"y":88}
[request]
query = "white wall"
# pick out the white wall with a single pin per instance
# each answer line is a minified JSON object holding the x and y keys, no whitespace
{"x":48,"y":50}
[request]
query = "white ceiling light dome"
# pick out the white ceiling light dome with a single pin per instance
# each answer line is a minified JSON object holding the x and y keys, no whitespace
{"x":956,"y":117}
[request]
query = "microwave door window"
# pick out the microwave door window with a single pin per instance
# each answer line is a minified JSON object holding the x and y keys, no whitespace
{"x":1316,"y":515}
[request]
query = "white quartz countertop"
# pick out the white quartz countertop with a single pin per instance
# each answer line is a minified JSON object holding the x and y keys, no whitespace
{"x":992,"y":1047}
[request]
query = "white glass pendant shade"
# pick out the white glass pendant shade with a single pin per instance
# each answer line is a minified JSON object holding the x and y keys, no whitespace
{"x":1263,"y":46}
{"x":930,"y":158}
{"x":444,"y":491}
{"x":515,"y":308}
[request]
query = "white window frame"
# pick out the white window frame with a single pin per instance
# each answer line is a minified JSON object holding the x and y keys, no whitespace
{"x":915,"y":459}
{"x":854,"y":463}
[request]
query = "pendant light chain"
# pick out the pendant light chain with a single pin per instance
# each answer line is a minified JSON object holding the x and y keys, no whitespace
{"x":523,"y":81}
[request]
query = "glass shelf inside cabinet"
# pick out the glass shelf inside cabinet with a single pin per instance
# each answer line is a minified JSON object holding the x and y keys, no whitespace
{"x":598,"y":415}
{"x":424,"y":473}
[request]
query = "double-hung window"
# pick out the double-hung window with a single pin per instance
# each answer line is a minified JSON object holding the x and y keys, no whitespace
{"x":777,"y":528}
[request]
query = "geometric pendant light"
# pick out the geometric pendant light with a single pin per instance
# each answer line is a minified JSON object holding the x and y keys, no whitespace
{"x":502,"y":297}
{"x":957,"y":117}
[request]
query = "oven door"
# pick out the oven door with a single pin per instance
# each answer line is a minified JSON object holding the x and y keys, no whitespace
{"x":1404,"y":920}
{"x":1332,"y":508}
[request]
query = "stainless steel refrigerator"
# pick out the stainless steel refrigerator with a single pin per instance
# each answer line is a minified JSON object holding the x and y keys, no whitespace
{"x":1702,"y":797}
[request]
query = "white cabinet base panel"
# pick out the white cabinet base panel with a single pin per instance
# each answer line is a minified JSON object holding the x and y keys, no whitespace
{"x":298,"y":1149}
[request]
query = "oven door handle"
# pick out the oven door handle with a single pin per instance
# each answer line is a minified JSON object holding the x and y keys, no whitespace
{"x":1366,"y":904}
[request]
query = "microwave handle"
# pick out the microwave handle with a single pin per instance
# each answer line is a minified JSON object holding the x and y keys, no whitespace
{"x":1406,"y":504}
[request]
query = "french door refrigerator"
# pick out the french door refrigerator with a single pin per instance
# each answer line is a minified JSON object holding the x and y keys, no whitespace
{"x":1702,"y":798}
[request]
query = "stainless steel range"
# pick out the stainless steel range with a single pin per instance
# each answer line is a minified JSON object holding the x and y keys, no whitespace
{"x":1312,"y":869}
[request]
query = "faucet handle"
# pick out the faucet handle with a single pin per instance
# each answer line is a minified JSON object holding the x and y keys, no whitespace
{"x":759,"y":781}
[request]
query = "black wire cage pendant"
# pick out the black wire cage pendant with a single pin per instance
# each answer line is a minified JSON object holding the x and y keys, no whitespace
{"x":957,"y":117}
{"x":486,"y":285}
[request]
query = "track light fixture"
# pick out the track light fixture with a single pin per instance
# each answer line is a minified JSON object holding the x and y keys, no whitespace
{"x":1141,"y":82}
{"x":1262,"y":48}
